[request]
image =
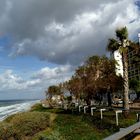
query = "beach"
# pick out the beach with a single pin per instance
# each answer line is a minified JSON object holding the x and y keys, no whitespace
{"x":9,"y":107}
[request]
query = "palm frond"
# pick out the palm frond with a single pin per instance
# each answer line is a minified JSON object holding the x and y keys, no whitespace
{"x":122,"y":33}
{"x":123,"y":50}
{"x":112,"y":45}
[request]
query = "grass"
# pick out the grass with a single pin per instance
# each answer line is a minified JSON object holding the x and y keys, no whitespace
{"x":75,"y":127}
{"x":68,"y":126}
{"x":57,"y":124}
{"x":24,"y":125}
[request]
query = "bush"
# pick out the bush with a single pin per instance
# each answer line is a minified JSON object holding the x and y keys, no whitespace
{"x":37,"y":107}
{"x":6,"y":131}
{"x":30,"y":123}
{"x":24,"y":124}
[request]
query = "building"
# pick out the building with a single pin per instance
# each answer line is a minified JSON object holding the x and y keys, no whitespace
{"x":133,"y":68}
{"x":119,"y":66}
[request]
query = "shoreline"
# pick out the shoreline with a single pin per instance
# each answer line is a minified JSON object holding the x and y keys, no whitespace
{"x":12,"y":109}
{"x":24,"y":125}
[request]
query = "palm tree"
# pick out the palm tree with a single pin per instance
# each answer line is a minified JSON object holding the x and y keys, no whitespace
{"x":122,"y":44}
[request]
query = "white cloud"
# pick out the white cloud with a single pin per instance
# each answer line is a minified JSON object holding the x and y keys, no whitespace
{"x":9,"y":80}
{"x":52,"y":73}
{"x":40,"y":80}
{"x":52,"y":76}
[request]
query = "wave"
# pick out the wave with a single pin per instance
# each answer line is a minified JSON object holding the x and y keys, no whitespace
{"x":15,"y":108}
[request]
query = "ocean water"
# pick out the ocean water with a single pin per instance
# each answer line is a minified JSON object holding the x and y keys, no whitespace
{"x":9,"y":107}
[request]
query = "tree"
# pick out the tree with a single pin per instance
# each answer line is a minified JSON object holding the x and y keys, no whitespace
{"x":122,"y":44}
{"x":53,"y":90}
{"x":107,"y":81}
{"x":74,"y":86}
{"x":96,"y":76}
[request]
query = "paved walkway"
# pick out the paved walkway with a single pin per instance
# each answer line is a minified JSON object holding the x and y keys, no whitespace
{"x":124,"y":132}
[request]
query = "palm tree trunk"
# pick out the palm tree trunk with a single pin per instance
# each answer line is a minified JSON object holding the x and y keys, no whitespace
{"x":125,"y":83}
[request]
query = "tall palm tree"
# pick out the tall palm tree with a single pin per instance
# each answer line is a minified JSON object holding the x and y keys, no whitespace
{"x":122,"y":44}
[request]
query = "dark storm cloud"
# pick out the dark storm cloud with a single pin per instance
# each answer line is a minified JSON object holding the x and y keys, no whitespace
{"x":64,"y":31}
{"x":29,"y":17}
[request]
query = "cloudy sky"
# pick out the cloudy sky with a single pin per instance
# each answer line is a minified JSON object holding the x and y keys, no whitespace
{"x":42,"y":41}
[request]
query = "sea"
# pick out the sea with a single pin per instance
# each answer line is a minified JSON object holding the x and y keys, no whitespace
{"x":9,"y":107}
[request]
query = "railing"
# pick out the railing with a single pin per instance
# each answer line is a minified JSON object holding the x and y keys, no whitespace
{"x":124,"y":132}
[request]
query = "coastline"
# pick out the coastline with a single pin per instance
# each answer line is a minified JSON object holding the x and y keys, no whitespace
{"x":24,"y":125}
{"x":11,"y":107}
{"x":45,"y":123}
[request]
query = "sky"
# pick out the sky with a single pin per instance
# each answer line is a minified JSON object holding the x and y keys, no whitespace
{"x":43,"y":41}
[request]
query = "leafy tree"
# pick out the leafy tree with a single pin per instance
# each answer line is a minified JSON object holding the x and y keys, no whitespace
{"x":53,"y":90}
{"x":74,"y":86}
{"x":107,"y":81}
{"x":96,"y":76}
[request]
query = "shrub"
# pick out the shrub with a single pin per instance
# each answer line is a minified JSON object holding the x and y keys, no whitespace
{"x":24,"y":124}
{"x":31,"y":122}
{"x":6,"y":131}
{"x":37,"y":107}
